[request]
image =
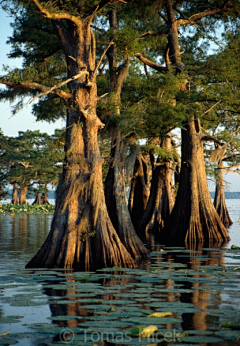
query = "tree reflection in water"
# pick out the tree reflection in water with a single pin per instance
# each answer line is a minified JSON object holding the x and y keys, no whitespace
{"x":165,"y":290}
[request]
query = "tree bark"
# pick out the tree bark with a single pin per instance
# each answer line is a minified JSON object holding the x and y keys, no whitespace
{"x":38,"y":199}
{"x":15,"y":199}
{"x":115,"y":191}
{"x":194,"y":218}
{"x":45,"y":199}
{"x":82,"y":235}
{"x":139,"y":191}
{"x":161,"y":200}
{"x":23,"y":193}
{"x":118,"y":209}
{"x":219,"y":198}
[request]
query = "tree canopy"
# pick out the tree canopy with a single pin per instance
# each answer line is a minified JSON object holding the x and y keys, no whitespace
{"x":132,"y":71}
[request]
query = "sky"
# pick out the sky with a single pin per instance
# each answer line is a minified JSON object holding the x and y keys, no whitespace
{"x":24,"y":120}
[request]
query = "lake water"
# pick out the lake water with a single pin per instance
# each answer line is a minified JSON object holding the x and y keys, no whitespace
{"x":200,"y":289}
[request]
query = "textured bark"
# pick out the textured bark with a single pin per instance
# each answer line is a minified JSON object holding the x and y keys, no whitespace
{"x":115,"y":191}
{"x":116,"y":201}
{"x":139,"y":191}
{"x":45,"y":199}
{"x":194,"y":217}
{"x":15,"y":199}
{"x":161,"y":200}
{"x":219,"y":198}
{"x":38,"y":199}
{"x":23,"y":193}
{"x":82,"y":235}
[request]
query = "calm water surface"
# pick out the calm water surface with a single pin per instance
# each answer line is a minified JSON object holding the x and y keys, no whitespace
{"x":199,"y":287}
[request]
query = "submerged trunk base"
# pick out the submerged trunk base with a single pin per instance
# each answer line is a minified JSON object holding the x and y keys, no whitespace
{"x":194,"y":217}
{"x":82,"y":236}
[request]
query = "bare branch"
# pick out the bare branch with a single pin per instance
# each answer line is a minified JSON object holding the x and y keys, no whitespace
{"x":59,"y":85}
{"x":179,"y":12}
{"x":103,"y":54}
{"x":57,"y":16}
{"x":212,"y":139}
{"x":197,"y":16}
{"x":231,"y":133}
{"x":97,"y":28}
{"x":25,"y":165}
{"x":150,"y":63}
{"x":35,"y":86}
{"x":162,"y":16}
{"x":102,"y":96}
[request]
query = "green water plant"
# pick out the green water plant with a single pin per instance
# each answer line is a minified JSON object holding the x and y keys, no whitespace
{"x":26,"y":209}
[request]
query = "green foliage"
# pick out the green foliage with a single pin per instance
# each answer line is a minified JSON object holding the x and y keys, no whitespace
{"x":32,"y":158}
{"x":163,"y":154}
{"x":151,"y":103}
{"x":26,"y":209}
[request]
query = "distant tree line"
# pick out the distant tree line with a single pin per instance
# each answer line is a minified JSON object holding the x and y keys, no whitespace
{"x":30,"y":163}
{"x":228,"y":195}
{"x":126,"y":75}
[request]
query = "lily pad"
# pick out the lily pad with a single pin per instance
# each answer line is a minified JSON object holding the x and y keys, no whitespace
{"x":231,"y":325}
{"x":10,"y":319}
{"x":228,"y":334}
{"x":7,"y":341}
{"x":201,"y":339}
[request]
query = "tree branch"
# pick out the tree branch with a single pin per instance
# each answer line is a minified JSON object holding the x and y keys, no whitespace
{"x":151,"y":64}
{"x":35,"y":86}
{"x":230,"y":157}
{"x":162,"y":16}
{"x":197,"y":16}
{"x":57,"y":16}
{"x":212,"y":139}
{"x":50,"y":91}
{"x":103,"y":54}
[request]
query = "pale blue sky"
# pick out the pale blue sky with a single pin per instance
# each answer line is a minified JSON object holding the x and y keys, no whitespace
{"x":24,"y":120}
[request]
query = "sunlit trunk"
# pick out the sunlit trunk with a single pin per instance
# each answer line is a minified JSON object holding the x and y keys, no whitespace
{"x":194,"y":217}
{"x":23,"y":193}
{"x":219,"y":199}
{"x":82,"y":235}
{"x":15,"y":199}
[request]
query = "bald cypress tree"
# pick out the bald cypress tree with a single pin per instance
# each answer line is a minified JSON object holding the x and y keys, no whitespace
{"x":82,"y":235}
{"x":194,"y":217}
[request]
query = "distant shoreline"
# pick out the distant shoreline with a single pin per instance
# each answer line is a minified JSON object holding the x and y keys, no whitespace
{"x":228,"y":195}
{"x":52,"y":195}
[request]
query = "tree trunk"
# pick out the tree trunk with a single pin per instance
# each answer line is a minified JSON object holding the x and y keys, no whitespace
{"x":23,"y":193}
{"x":115,"y":182}
{"x":15,"y":199}
{"x":45,"y":199}
{"x":38,"y":199}
{"x":161,"y":200}
{"x":116,"y":201}
{"x":194,"y":217}
{"x":82,"y":235}
{"x":140,"y":190}
{"x":219,"y":198}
